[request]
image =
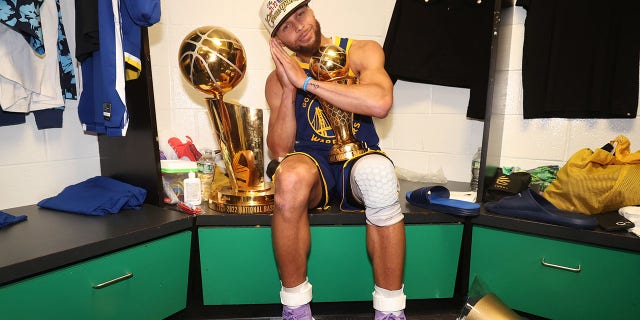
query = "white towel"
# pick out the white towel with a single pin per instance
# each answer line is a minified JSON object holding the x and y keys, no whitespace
{"x":469,"y":196}
{"x":633,"y":214}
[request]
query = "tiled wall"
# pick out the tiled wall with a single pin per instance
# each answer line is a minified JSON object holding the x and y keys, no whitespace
{"x":35,"y":164}
{"x":425,"y":132}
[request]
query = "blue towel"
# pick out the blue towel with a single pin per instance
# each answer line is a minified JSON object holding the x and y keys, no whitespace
{"x":97,"y":196}
{"x":7,"y":219}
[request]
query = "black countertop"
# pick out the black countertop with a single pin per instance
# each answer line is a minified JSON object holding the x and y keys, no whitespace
{"x":50,"y":239}
{"x":333,"y":216}
{"x":622,"y":240}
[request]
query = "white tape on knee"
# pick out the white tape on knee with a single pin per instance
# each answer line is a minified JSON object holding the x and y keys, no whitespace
{"x":297,"y":296}
{"x":374,"y":183}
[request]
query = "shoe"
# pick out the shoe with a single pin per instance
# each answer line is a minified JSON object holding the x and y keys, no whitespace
{"x":389,"y":316}
{"x":302,"y":312}
{"x":530,"y":205}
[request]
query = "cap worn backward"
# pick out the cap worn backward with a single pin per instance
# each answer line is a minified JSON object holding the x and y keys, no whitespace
{"x":274,"y":12}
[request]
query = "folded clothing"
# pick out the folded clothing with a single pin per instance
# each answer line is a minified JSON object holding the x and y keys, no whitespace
{"x":7,"y":219}
{"x":97,"y":196}
{"x":632,"y":213}
{"x":506,"y":184}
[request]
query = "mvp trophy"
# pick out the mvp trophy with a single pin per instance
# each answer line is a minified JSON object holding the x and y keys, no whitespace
{"x":213,"y":61}
{"x":331,"y":64}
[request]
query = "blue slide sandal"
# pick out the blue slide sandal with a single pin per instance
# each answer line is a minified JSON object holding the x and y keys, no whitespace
{"x":436,"y":198}
{"x":532,"y":206}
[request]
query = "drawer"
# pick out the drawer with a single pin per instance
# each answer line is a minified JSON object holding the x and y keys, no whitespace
{"x":153,"y":285}
{"x":556,"y":279}
{"x":238,"y":266}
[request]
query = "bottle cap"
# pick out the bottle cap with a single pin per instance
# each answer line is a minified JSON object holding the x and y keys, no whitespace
{"x":192,"y":174}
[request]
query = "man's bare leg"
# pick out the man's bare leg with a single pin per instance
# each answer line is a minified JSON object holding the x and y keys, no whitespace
{"x":386,"y":246}
{"x":297,"y":188}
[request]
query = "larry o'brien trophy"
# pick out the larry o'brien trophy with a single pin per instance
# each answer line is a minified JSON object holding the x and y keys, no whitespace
{"x":213,"y":61}
{"x":331,"y":64}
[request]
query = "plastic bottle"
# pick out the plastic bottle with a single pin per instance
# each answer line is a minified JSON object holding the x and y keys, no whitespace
{"x":206,"y":166}
{"x":192,"y":189}
{"x":475,"y":170}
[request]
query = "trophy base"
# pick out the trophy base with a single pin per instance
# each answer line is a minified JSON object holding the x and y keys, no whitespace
{"x":227,"y":200}
{"x":339,"y":153}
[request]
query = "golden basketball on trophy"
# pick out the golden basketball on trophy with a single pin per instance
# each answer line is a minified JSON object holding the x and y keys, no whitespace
{"x":213,"y":61}
{"x":331,"y":64}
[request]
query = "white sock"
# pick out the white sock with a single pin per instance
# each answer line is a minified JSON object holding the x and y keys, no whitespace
{"x":389,"y":301}
{"x":296,"y":296}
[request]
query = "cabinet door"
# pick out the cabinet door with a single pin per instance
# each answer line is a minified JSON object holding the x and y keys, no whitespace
{"x":153,"y":285}
{"x":576,"y":281}
{"x":238,"y":266}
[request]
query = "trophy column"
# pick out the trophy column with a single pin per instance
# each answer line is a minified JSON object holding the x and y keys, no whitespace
{"x":239,"y":131}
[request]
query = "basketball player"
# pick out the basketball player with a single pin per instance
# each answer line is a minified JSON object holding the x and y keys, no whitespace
{"x":298,"y":136}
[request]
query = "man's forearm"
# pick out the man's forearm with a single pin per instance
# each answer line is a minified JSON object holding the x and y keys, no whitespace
{"x":364,"y":99}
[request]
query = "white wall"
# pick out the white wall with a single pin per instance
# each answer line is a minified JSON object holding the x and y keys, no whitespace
{"x":36,"y":164}
{"x":426,"y":131}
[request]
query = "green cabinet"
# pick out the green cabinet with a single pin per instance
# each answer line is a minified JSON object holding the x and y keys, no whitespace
{"x":556,"y":279}
{"x":238,"y":266}
{"x":148,"y":281}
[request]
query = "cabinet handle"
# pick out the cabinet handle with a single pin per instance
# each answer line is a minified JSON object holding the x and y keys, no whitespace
{"x":551,"y":265}
{"x":113,"y":281}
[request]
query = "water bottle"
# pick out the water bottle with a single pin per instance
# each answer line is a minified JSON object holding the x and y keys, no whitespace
{"x":206,"y":166}
{"x":475,"y":170}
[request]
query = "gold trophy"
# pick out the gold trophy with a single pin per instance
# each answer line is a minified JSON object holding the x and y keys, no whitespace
{"x":483,"y":304}
{"x":331,"y":64}
{"x":213,"y":61}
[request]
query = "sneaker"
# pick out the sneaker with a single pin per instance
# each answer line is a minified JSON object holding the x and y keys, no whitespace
{"x":302,"y":312}
{"x":389,"y":316}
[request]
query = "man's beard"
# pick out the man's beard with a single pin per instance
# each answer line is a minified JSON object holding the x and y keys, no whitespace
{"x":310,"y":50}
